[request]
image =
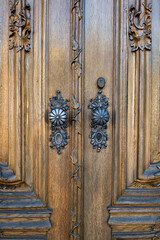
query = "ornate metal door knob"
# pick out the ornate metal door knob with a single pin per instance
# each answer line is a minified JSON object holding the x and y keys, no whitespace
{"x":100,"y":117}
{"x":58,"y":119}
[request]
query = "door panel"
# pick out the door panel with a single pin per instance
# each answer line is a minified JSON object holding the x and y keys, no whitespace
{"x":61,"y":45}
{"x":24,"y":130}
{"x":97,"y":166}
{"x":59,"y":79}
{"x":135,"y":205}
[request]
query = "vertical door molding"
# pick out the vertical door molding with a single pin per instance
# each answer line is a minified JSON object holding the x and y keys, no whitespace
{"x":77,"y":55}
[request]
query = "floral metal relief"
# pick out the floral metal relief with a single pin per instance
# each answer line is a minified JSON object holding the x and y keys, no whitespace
{"x":19,"y":26}
{"x":140,"y":28}
{"x":100,"y":117}
{"x":58,"y":119}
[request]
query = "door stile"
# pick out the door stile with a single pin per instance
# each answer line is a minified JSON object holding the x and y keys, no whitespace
{"x":77,"y":62}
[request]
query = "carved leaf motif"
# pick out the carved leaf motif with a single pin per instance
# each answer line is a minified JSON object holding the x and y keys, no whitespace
{"x":77,"y":110}
{"x":75,"y":102}
{"x":76,"y":169}
{"x":74,"y":45}
{"x":76,"y":224}
{"x":77,"y":181}
{"x":140,"y":28}
{"x":19,"y":27}
{"x":79,"y":11}
{"x":78,"y":68}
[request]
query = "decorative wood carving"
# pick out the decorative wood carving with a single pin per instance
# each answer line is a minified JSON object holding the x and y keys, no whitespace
{"x":150,"y":177}
{"x":140,"y":28}
{"x":136,"y":176}
{"x":76,"y":108}
{"x":8,"y":178}
{"x":77,"y":181}
{"x":19,"y":26}
{"x":23,"y":171}
{"x":23,"y":216}
{"x":6,"y":173}
{"x":77,"y":157}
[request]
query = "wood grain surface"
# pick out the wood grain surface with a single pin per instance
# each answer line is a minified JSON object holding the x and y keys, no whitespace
{"x":80,"y":194}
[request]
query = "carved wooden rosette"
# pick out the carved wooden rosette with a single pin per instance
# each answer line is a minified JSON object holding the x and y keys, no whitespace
{"x":140,"y":27}
{"x":77,"y":144}
{"x":23,"y":170}
{"x":136,"y":175}
{"x":19,"y":25}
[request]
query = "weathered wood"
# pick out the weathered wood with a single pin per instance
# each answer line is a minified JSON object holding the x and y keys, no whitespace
{"x":97,"y":166}
{"x":60,"y":166}
{"x":72,"y":44}
{"x":4,"y":98}
{"x":135,"y":208}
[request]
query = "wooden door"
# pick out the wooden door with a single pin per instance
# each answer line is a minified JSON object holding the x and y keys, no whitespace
{"x":83,"y":193}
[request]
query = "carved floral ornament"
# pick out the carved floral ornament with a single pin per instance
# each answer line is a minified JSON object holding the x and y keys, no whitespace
{"x":19,"y":26}
{"x":140,"y":28}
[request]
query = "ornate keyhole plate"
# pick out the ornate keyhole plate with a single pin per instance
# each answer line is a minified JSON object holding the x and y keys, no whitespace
{"x":58,"y":119}
{"x":100,"y":117}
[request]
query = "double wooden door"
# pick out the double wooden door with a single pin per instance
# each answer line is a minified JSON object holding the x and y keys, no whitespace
{"x":89,"y":191}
